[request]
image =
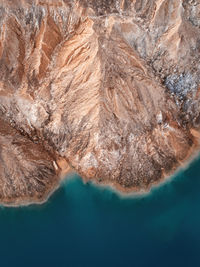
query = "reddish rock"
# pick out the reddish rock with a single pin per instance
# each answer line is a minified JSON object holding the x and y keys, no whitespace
{"x":111,"y":87}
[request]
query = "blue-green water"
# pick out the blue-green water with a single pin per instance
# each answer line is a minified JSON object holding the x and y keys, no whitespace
{"x":82,"y":225}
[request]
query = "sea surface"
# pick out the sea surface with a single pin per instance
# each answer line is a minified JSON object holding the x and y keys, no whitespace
{"x":84,"y":225}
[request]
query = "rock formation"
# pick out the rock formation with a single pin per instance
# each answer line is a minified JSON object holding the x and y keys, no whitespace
{"x":109,"y":86}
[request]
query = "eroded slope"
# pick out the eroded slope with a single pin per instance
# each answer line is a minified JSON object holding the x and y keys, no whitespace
{"x":112,"y":87}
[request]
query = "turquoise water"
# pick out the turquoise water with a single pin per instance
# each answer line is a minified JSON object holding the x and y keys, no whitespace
{"x":82,"y":225}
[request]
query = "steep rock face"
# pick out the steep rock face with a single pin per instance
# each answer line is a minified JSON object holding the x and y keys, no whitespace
{"x":112,"y":87}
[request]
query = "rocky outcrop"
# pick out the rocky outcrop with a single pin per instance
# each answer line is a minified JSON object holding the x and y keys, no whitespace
{"x":111,"y":87}
{"x":28,"y":172}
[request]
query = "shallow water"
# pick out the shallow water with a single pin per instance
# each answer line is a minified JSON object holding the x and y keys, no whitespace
{"x":82,"y":225}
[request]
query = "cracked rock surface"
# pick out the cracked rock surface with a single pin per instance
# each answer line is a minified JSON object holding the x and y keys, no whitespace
{"x":110,"y":87}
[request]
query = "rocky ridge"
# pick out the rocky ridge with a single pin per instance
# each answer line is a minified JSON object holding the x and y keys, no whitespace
{"x":109,"y":87}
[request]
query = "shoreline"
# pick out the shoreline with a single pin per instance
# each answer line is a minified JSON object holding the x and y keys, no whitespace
{"x":132,"y":192}
{"x":66,"y":170}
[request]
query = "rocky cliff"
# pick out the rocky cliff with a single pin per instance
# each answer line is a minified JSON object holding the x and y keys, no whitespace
{"x":109,"y":86}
